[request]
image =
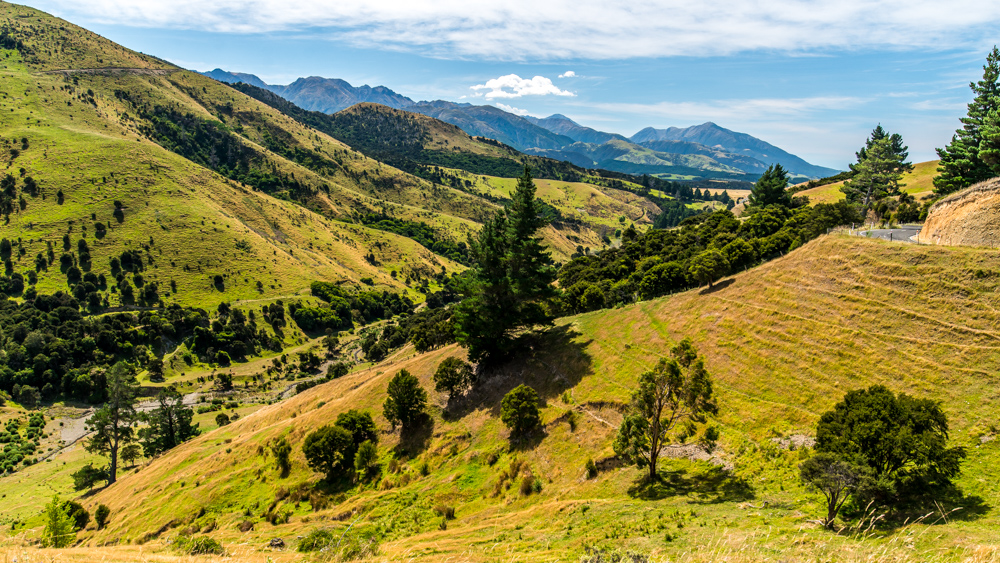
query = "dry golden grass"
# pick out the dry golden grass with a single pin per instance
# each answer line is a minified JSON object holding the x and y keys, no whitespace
{"x":919,"y":183}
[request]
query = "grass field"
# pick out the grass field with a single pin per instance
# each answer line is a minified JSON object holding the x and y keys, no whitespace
{"x":783,"y":341}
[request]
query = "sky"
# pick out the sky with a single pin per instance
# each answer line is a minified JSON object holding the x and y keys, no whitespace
{"x":813,"y":77}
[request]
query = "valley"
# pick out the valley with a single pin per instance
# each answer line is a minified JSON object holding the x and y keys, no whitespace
{"x":319,"y":322}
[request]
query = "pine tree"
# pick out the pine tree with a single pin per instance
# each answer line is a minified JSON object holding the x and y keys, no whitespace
{"x":962,"y":161}
{"x":770,"y":188}
{"x":896,"y":142}
{"x":114,"y":423}
{"x":877,"y":175}
{"x":511,"y":281}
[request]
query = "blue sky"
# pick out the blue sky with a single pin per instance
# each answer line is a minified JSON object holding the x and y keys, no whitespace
{"x":810,"y":76}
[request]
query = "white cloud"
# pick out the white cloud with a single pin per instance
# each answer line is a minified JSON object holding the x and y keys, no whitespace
{"x":568,"y":74}
{"x":512,"y":109}
{"x":563,"y":29}
{"x":513,"y":86}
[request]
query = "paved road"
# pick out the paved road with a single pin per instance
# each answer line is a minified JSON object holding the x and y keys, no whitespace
{"x":901,"y":234}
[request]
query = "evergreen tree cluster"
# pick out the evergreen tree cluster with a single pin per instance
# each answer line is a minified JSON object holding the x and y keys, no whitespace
{"x":511,"y":284}
{"x":973,"y":155}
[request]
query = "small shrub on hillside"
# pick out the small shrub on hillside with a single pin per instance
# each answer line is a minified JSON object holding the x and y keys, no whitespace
{"x":315,"y":540}
{"x":527,"y":485}
{"x":591,"y":469}
{"x":282,"y":451}
{"x":101,"y":516}
{"x":425,"y":469}
{"x":448,"y":512}
{"x":201,"y":545}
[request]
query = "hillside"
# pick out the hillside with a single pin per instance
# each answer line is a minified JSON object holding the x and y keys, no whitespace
{"x":919,"y":183}
{"x":76,"y":148}
{"x":966,"y":218}
{"x":778,"y":357}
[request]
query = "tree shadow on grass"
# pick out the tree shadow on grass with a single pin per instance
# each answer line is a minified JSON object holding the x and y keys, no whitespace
{"x":416,"y":438}
{"x":550,"y":362}
{"x":940,"y":506}
{"x":717,"y":287}
{"x":706,"y":484}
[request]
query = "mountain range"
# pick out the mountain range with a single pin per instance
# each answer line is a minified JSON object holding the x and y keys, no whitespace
{"x":697,"y":152}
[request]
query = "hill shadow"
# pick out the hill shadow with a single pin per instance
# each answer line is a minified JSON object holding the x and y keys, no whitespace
{"x":706,"y":485}
{"x":550,"y":362}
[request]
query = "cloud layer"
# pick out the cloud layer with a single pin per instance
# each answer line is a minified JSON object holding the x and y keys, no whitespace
{"x":513,"y":86}
{"x":565,"y":29}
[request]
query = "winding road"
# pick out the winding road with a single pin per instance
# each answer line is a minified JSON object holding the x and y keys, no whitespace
{"x":901,"y":234}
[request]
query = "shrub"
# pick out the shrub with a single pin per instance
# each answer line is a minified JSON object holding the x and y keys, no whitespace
{"x":591,"y":469}
{"x":201,"y":545}
{"x":452,"y":375}
{"x":282,"y":451}
{"x":366,"y":460}
{"x":78,"y":514}
{"x":519,"y":410}
{"x":527,"y":484}
{"x":101,"y":516}
{"x":448,"y":512}
{"x":221,"y":419}
{"x":325,"y":449}
{"x":315,"y":540}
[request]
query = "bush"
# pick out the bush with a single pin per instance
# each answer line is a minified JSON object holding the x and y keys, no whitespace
{"x":221,"y":419}
{"x":452,"y":375}
{"x":78,"y":514}
{"x":101,"y":516}
{"x":445,"y":511}
{"x":315,"y":540}
{"x":201,"y":545}
{"x":366,"y":460}
{"x":282,"y":451}
{"x":590,"y":469}
{"x":326,"y":449}
{"x":519,"y":410}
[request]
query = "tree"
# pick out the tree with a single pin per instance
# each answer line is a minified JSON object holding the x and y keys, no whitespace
{"x":222,"y":419}
{"x":366,"y":460}
{"x":77,"y":513}
{"x":519,"y":410}
{"x":155,"y":369}
{"x":967,"y":158}
{"x":678,"y":388}
{"x":88,"y":476}
{"x":896,"y":144}
{"x":406,"y":401}
{"x":708,"y":266}
{"x":452,"y":375}
{"x":326,"y":449}
{"x":101,"y":516}
{"x":58,"y":531}
{"x":362,"y":429}
{"x":114,"y":423}
{"x":511,"y":282}
{"x":835,"y":478}
{"x":130,"y":454}
{"x":769,"y":189}
{"x":169,"y":424}
{"x":900,"y":439}
{"x":877,"y":175}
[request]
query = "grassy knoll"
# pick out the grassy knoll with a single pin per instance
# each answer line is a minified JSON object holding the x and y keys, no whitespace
{"x":784,"y":341}
{"x":918,"y":183}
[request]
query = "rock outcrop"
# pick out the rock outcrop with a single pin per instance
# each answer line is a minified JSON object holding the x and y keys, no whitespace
{"x":970,"y":217}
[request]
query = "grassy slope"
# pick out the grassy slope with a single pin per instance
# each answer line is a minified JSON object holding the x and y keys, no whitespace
{"x":784,"y":342}
{"x":918,"y":183}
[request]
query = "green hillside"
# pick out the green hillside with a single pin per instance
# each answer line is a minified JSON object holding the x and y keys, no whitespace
{"x":778,"y":361}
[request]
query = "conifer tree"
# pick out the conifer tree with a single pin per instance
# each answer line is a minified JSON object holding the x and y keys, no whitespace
{"x":770,"y":188}
{"x":511,"y":281}
{"x":169,"y":424}
{"x":877,"y":175}
{"x":896,"y":142}
{"x":966,"y":160}
{"x":114,"y":423}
